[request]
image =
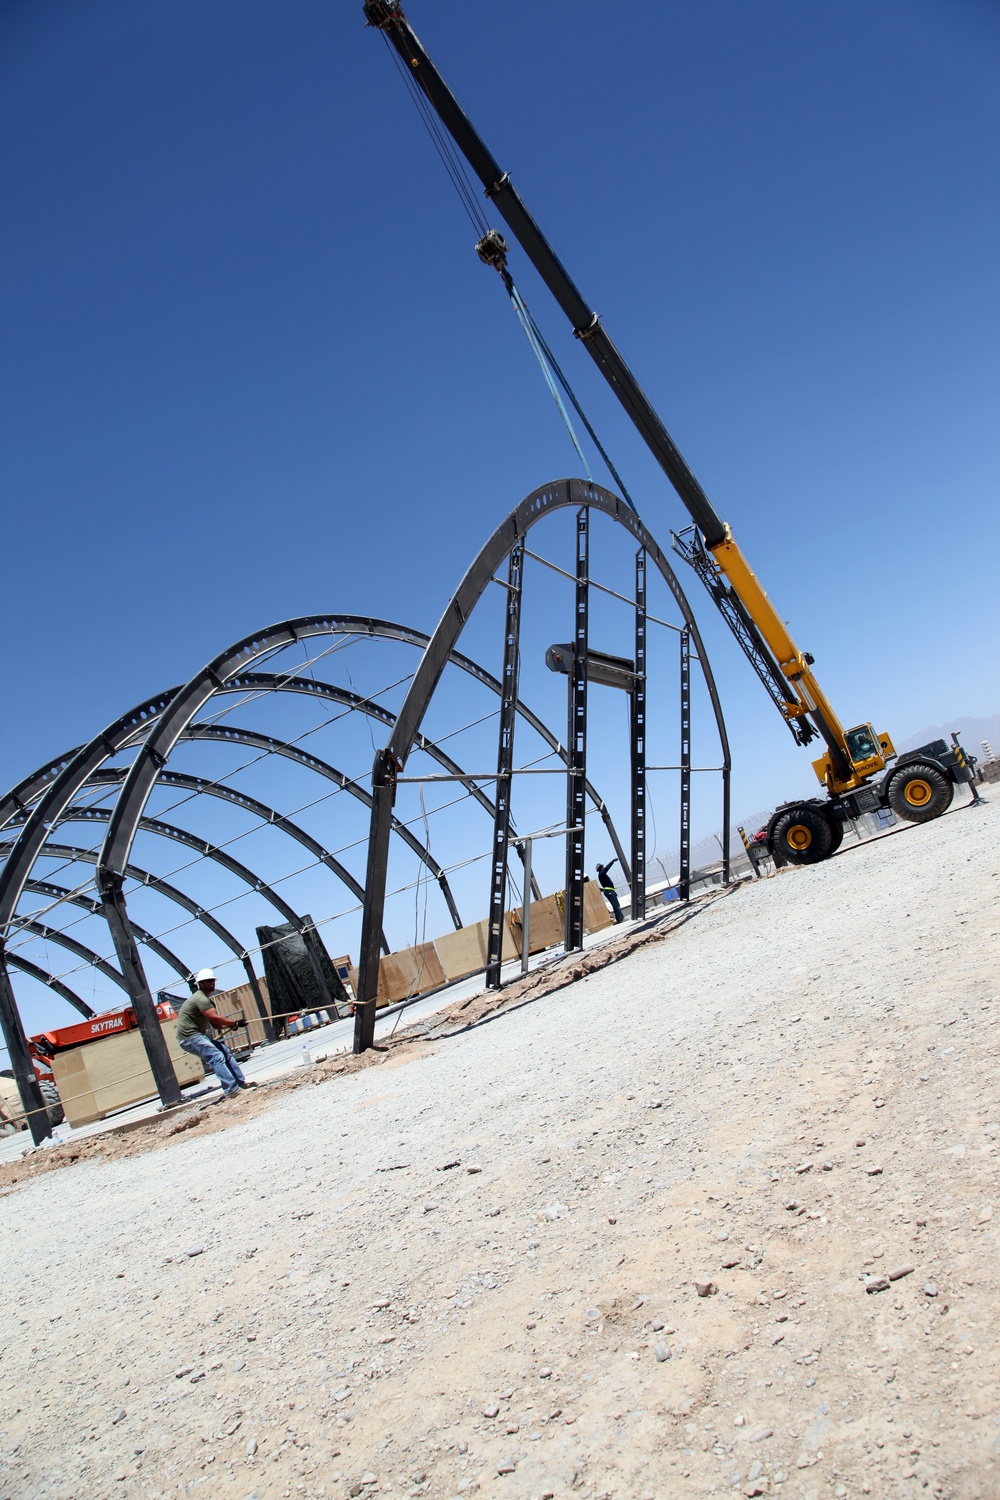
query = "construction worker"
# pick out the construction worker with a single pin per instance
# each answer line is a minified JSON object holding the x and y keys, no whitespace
{"x":195,"y":1019}
{"x":608,"y":891}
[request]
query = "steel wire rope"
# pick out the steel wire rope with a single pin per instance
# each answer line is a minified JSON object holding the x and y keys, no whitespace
{"x":453,"y":164}
{"x":291,"y":875}
{"x":104,"y":792}
{"x":256,"y":827}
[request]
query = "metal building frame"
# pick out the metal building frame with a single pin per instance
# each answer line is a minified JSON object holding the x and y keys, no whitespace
{"x":391,"y":760}
{"x":45,"y":801}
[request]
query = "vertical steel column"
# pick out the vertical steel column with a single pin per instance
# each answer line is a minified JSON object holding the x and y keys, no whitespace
{"x":526,"y":910}
{"x":110,"y":889}
{"x":684,"y":884}
{"x":33,"y":1104}
{"x":505,"y":764}
{"x":637,"y":743}
{"x":576,"y":778}
{"x":384,"y":773}
{"x":726,"y":816}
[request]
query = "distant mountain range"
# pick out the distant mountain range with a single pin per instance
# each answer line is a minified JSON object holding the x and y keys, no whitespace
{"x":971,"y":732}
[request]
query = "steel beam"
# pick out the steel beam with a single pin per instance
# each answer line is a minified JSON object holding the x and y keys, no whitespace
{"x":109,"y":886}
{"x":505,"y":764}
{"x":684,"y":884}
{"x":637,"y":743}
{"x":577,"y":737}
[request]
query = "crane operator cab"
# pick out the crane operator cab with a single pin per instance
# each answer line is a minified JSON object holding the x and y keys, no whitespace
{"x":868,"y":751}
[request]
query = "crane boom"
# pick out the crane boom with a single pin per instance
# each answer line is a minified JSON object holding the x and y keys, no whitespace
{"x":783,"y":668}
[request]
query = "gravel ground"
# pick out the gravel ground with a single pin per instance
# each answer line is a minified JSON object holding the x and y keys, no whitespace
{"x":474,"y":1264}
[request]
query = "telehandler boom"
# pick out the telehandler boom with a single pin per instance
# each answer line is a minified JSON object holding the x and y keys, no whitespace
{"x":854,"y":768}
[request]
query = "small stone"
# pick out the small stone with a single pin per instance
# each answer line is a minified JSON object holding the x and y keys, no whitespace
{"x":506,"y":1466}
{"x":828,"y":1166}
{"x":805,"y":1166}
{"x":612,"y":1219}
{"x":593,"y":1315}
{"x":662,"y":1351}
{"x":554,"y":1211}
{"x":705,"y":1288}
{"x":722,"y":1235}
{"x":985,"y":1216}
{"x":493,"y":1213}
{"x":655,"y":1104}
{"x":544,"y":1374}
{"x":877,"y":1284}
{"x":491,"y":1411}
{"x":369,"y":1478}
{"x":658,"y":1326}
{"x":730,"y":1262}
{"x":182,"y":1371}
{"x":195,"y":1250}
{"x":430,"y":1208}
{"x":930,"y":1290}
{"x":900,"y":1272}
{"x":874,"y":1171}
{"x":119,"y":1417}
{"x":511,"y":1428}
{"x":859,"y":1144}
{"x":739,"y":1421}
{"x":251,"y":1447}
{"x":473,"y":1171}
{"x":761,"y":1434}
{"x":880,"y":1104}
{"x":792,"y":1205}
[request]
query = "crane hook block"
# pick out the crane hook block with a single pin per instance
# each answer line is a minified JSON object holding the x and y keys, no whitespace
{"x":492,"y":249}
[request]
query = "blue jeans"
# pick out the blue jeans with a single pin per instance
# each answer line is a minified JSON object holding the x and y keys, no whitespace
{"x":219,"y":1058}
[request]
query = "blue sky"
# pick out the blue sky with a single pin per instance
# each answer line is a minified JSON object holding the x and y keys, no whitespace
{"x":251,"y":366}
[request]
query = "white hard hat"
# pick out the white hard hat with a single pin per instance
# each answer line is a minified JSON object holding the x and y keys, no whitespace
{"x":203,"y":974}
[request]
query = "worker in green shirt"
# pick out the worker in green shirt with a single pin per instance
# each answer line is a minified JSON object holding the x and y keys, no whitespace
{"x":195,"y":1019}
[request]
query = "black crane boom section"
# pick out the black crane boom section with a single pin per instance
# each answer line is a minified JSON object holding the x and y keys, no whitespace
{"x":387,"y":17}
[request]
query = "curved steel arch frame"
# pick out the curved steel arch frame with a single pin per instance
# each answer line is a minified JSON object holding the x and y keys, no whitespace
{"x":74,"y":853}
{"x":57,"y":986}
{"x":53,"y":786}
{"x":390,"y":761}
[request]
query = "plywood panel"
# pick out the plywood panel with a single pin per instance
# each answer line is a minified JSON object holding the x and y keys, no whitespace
{"x":595,"y":912}
{"x":95,"y":1080}
{"x":547,"y":927}
{"x":464,"y":951}
{"x":411,"y":971}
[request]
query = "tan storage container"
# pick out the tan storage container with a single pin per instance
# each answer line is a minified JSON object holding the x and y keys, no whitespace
{"x":95,"y":1080}
{"x":232,"y":1002}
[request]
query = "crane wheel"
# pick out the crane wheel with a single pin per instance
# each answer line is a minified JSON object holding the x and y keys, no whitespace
{"x":919,"y":792}
{"x":838,"y":834}
{"x":803,"y":836}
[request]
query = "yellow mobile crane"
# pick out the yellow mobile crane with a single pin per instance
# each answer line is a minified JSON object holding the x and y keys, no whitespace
{"x":854,"y":768}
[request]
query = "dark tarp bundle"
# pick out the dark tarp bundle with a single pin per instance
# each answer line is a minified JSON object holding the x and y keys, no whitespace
{"x":300,"y":976}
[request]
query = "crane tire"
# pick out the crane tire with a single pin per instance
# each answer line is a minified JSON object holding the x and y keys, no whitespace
{"x":53,"y":1105}
{"x":838,"y":833}
{"x":803,"y":836}
{"x":920,"y":792}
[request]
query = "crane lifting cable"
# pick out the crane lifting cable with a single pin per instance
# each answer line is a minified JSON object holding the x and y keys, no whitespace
{"x":492,"y":251}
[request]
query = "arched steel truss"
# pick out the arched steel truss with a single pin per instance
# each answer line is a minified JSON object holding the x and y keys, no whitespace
{"x":506,"y":543}
{"x":72,"y":853}
{"x":45,"y":800}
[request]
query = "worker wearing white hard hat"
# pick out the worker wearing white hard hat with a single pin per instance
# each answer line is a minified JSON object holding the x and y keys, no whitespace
{"x":195,"y":1021}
